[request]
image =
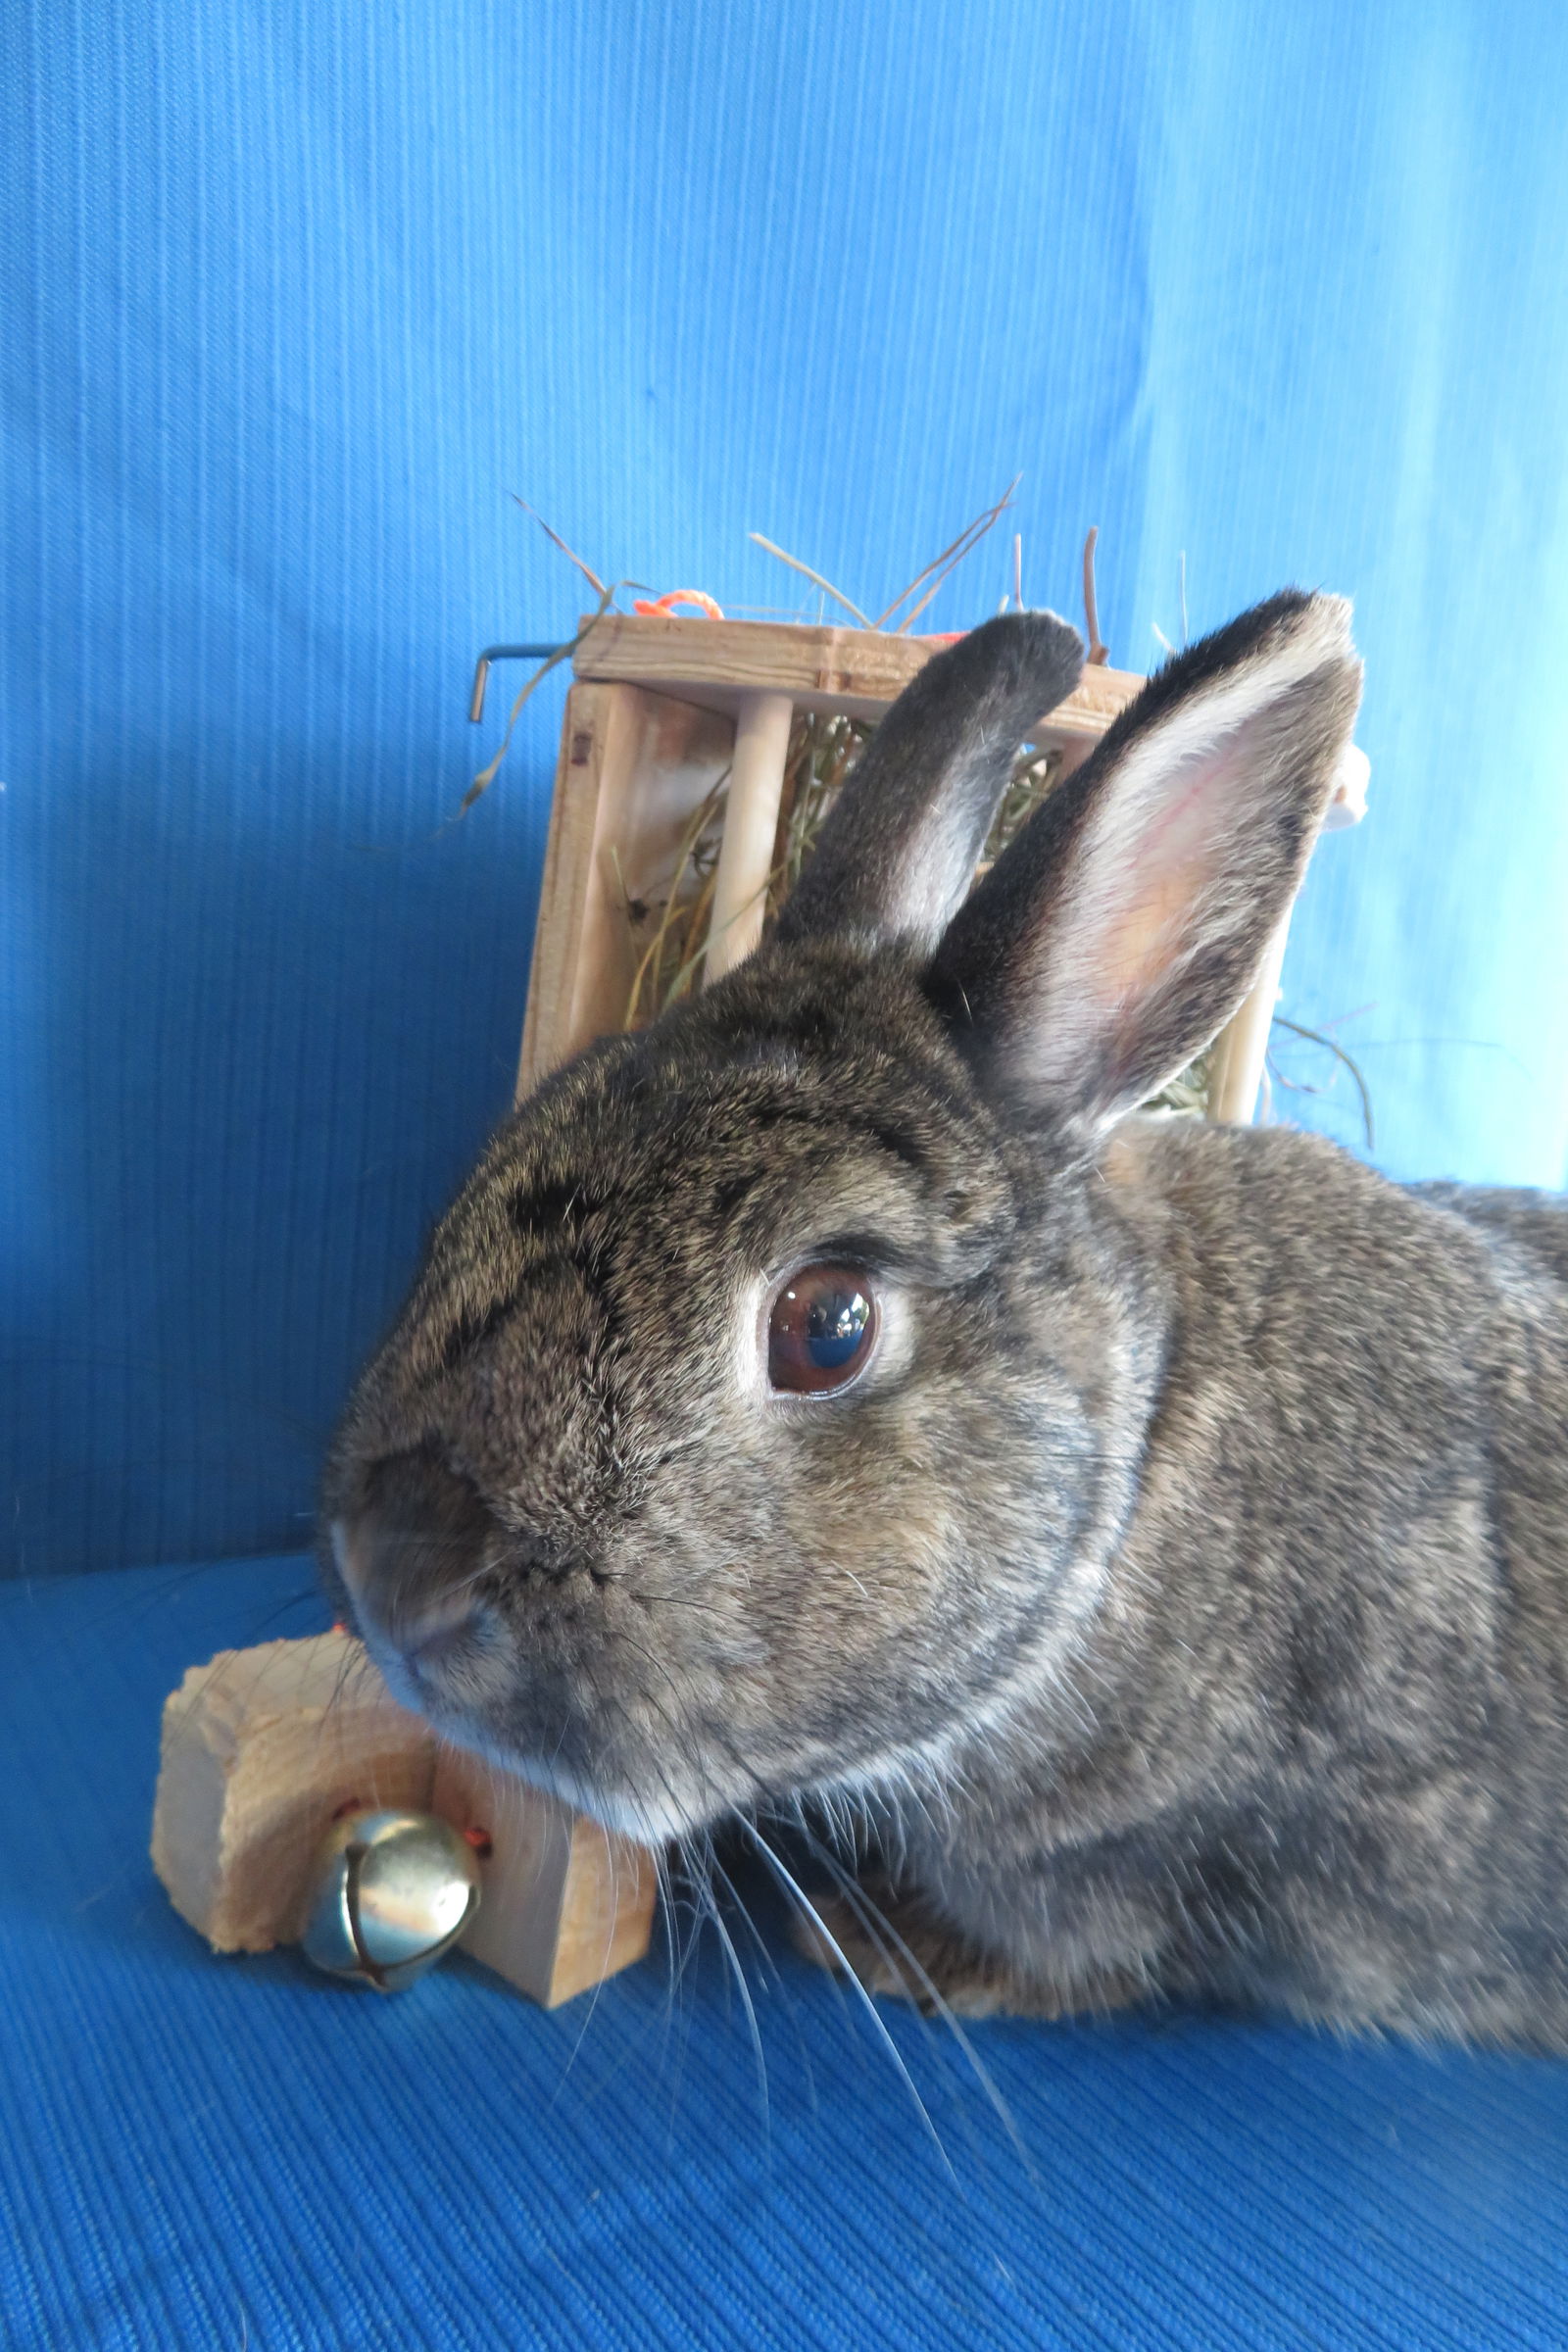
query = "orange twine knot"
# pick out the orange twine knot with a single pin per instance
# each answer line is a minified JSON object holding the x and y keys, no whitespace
{"x":678,"y":596}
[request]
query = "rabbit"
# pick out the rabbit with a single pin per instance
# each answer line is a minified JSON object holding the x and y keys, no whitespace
{"x":841,"y":1396}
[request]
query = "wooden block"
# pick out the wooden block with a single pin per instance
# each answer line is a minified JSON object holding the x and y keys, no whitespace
{"x":564,"y":1903}
{"x":259,"y":1749}
{"x":262,"y":1747}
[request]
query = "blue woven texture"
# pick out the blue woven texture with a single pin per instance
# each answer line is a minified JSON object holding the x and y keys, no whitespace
{"x":294,"y":297}
{"x":208,"y":2152}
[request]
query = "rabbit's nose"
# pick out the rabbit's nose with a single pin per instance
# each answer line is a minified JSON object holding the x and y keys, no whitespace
{"x":415,"y":1556}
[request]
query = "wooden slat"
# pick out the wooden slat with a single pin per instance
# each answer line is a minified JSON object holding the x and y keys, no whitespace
{"x":564,"y":890}
{"x":859,"y":671}
{"x":633,"y":767}
{"x":1241,"y":1051}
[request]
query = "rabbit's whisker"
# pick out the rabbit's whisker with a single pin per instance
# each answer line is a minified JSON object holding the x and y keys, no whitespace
{"x":813,"y":1918}
{"x":885,"y":1934}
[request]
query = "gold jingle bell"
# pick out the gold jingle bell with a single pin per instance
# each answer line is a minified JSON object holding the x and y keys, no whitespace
{"x":392,"y":1892}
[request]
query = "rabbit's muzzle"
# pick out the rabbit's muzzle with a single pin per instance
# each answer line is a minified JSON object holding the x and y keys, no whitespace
{"x":420,"y":1559}
{"x":504,"y":1640}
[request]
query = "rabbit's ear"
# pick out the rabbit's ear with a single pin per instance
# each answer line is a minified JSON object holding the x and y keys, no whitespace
{"x":1122,"y":927}
{"x":899,"y":850}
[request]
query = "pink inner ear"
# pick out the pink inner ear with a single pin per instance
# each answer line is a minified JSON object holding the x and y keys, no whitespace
{"x":1123,"y":936}
{"x":1154,"y":882}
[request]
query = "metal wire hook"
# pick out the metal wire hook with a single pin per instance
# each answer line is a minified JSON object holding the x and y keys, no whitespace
{"x":500,"y":653}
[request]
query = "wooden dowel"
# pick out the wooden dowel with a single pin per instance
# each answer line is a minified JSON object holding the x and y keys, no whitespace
{"x":751,"y":822}
{"x":1237,"y":1070}
{"x":1241,"y":1050}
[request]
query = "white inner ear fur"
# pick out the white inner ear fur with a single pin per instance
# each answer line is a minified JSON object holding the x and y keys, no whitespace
{"x":1161,"y":870}
{"x":938,"y":865}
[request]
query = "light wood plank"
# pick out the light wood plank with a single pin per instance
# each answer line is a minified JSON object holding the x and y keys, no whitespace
{"x":569,"y":852}
{"x":859,"y":671}
{"x":633,"y":767}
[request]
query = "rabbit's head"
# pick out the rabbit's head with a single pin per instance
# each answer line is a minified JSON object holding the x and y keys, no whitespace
{"x":762,"y":1413}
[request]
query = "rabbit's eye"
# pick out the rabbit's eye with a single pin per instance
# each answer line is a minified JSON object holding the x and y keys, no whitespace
{"x":823,"y":1330}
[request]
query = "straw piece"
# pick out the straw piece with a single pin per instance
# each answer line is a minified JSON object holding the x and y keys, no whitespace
{"x":949,"y":561}
{"x":556,"y":540}
{"x":816,"y":577}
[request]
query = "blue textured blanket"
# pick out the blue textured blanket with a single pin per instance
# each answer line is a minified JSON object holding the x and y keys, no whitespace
{"x":231,"y":2153}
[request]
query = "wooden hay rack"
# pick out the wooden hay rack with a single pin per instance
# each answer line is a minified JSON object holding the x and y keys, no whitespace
{"x":660,"y":710}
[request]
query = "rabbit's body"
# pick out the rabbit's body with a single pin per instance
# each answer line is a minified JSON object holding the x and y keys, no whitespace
{"x":833,"y":1391}
{"x":1312,"y":1747}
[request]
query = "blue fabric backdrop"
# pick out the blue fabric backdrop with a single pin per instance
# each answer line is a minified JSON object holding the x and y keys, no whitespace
{"x":293,"y":300}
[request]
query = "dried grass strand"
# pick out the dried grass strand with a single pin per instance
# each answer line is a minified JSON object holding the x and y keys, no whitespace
{"x":950,"y":557}
{"x":556,"y":540}
{"x":816,"y":577}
